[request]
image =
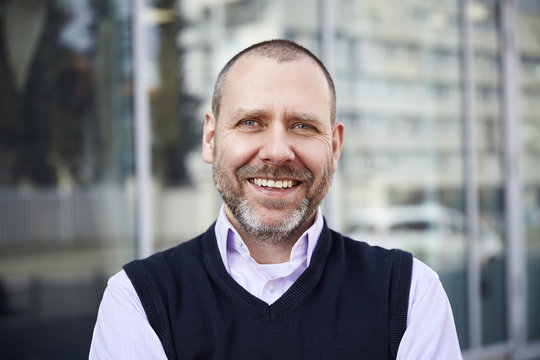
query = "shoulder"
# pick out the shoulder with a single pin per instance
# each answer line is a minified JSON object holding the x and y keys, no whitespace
{"x":422,"y":275}
{"x":426,"y":288}
{"x":180,"y":254}
{"x":185,"y":249}
{"x":367,"y":251}
{"x":382,"y":265}
{"x":120,"y":291}
{"x":167,"y":268}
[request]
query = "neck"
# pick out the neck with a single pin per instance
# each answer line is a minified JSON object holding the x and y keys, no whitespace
{"x":265,"y":253}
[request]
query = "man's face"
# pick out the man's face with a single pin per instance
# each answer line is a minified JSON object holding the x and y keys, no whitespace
{"x":273,"y":148}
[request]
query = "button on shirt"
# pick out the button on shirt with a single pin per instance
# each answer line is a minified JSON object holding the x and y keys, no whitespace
{"x":122,"y":330}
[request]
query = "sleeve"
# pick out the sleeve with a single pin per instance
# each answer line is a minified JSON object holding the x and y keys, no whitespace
{"x":431,"y":331}
{"x":122,"y":330}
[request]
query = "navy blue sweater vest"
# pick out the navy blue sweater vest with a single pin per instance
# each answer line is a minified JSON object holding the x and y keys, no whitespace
{"x":350,"y":303}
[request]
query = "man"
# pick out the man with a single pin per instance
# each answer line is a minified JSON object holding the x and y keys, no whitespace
{"x":269,"y":280}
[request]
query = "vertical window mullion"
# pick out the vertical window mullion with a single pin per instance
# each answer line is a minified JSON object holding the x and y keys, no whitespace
{"x":328,"y":40}
{"x":515,"y":241}
{"x":143,"y":158}
{"x":471,"y":181}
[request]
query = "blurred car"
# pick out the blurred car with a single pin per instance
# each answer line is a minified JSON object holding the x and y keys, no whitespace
{"x":432,"y":233}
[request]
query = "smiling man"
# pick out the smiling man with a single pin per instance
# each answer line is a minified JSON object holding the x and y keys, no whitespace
{"x":274,"y":145}
{"x":269,"y":279}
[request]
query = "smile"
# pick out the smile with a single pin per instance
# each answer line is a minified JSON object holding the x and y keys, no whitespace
{"x":274,"y":184}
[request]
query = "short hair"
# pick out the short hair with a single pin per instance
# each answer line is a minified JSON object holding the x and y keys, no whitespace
{"x":282,"y":51}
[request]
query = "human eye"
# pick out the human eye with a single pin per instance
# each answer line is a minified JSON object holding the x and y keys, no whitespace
{"x":248,"y":122}
{"x":249,"y":125}
{"x":302,"y":126}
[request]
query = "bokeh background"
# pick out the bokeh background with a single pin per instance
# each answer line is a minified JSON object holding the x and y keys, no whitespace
{"x":101,"y":111}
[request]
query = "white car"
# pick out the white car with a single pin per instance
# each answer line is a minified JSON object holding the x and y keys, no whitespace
{"x":432,"y":233}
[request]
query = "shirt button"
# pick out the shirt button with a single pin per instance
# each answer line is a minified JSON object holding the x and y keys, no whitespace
{"x":272,"y":286}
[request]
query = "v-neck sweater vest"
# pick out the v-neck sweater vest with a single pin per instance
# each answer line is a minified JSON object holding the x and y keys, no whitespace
{"x":350,"y":303}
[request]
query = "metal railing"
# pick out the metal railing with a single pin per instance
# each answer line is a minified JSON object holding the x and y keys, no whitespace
{"x":51,"y":216}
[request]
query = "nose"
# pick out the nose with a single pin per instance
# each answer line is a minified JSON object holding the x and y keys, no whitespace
{"x":276,"y":148}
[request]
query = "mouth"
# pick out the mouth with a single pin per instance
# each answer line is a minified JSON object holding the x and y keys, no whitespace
{"x":274,"y":184}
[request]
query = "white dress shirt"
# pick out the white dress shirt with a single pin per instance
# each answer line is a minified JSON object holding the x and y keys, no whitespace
{"x":122,"y":330}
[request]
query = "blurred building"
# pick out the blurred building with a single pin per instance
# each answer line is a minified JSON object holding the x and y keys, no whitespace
{"x":441,"y":104}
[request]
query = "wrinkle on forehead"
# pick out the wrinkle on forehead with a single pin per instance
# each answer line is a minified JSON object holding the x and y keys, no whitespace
{"x":240,"y":67}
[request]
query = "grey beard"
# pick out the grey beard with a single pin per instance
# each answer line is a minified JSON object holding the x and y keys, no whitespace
{"x":276,"y":235}
{"x":253,"y":223}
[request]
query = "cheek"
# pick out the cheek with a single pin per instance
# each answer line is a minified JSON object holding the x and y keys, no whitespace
{"x":316,"y":157}
{"x":238,"y":149}
{"x":231,"y":154}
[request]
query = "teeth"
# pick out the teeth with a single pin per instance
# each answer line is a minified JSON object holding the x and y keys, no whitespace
{"x":278,"y":184}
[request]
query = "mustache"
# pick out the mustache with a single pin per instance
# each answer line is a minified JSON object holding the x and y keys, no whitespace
{"x":266,"y":171}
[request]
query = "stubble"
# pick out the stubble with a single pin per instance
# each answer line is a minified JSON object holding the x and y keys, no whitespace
{"x":257,"y":225}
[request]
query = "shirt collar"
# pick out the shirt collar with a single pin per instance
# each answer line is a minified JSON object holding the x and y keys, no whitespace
{"x":302,"y":249}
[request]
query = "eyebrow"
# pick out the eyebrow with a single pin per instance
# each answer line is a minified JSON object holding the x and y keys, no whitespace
{"x":308,"y":117}
{"x":256,"y":113}
{"x":245,"y":113}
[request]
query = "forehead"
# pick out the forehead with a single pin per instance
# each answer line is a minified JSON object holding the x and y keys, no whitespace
{"x":252,"y":64}
{"x":257,"y":79}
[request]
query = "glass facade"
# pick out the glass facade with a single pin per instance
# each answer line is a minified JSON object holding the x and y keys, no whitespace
{"x":66,"y":170}
{"x":399,"y":77}
{"x":488,"y":153}
{"x":421,"y":91}
{"x":529,"y":51}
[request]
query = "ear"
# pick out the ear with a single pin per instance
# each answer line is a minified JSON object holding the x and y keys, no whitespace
{"x":338,"y":136}
{"x":208,"y":138}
